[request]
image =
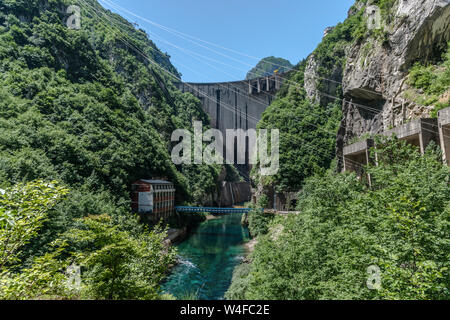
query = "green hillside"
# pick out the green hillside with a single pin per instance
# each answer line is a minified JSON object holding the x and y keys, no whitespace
{"x":93,"y":109}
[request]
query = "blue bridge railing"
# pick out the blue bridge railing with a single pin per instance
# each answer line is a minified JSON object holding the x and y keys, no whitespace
{"x":212,"y":210}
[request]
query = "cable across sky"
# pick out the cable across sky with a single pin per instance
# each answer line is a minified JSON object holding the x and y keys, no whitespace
{"x":287,"y":33}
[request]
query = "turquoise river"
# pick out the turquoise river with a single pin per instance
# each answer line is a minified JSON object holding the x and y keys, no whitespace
{"x":207,"y":259}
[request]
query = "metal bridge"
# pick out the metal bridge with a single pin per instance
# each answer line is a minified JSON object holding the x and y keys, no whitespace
{"x":211,"y":210}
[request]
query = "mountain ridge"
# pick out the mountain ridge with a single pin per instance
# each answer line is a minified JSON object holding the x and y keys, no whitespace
{"x":268,"y":66}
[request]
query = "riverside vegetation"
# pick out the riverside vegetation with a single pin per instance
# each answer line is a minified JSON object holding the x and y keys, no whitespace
{"x":400,"y":224}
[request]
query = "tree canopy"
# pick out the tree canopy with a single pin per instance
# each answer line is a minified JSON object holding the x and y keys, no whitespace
{"x":93,"y":109}
{"x":399,"y":226}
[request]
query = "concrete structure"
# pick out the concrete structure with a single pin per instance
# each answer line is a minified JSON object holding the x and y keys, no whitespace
{"x":154,"y":199}
{"x":444,"y":133}
{"x":419,"y":132}
{"x":236,"y":105}
{"x":357,"y":155}
{"x":286,"y":201}
{"x":232,"y":193}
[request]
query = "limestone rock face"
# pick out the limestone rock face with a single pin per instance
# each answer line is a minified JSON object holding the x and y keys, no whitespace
{"x":374,"y":76}
{"x":312,"y":78}
{"x":376,"y":70}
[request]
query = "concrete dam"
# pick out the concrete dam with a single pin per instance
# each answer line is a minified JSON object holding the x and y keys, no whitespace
{"x":237,"y":104}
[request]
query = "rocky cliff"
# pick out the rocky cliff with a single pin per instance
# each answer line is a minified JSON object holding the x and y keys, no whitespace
{"x":376,"y":69}
{"x":386,"y":64}
{"x":374,"y":76}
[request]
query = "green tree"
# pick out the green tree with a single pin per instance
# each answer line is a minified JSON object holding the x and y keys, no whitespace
{"x":23,"y":210}
{"x":307,"y":135}
{"x":117,"y":265}
{"x":84,"y":108}
{"x":268,"y":66}
{"x":258,"y":220}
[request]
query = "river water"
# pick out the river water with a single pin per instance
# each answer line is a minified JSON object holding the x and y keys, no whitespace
{"x":207,"y":259}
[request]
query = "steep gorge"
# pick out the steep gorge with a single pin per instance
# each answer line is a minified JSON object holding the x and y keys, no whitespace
{"x":388,"y":63}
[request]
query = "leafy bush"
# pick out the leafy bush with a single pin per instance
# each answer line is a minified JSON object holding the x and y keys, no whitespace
{"x":259,"y":221}
{"x":422,"y":77}
{"x":23,"y":210}
{"x":116,"y":264}
{"x":434,"y":83}
{"x":239,"y":283}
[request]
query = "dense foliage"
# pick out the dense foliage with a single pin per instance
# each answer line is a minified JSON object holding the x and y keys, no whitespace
{"x":116,"y":264}
{"x":400,"y":224}
{"x":307,"y":134}
{"x":88,"y":109}
{"x":268,"y":66}
{"x":80,"y":106}
{"x":239,"y":282}
{"x":257,"y":220}
{"x":23,"y":210}
{"x":432,"y":83}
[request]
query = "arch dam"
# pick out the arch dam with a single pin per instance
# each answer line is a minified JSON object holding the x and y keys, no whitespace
{"x":237,"y":104}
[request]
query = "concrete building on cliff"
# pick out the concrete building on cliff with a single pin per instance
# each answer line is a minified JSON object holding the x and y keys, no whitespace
{"x":418,"y":132}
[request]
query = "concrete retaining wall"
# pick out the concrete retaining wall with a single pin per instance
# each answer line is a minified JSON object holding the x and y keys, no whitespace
{"x":232,"y":193}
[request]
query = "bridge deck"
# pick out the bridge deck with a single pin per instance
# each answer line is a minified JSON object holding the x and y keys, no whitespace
{"x":211,"y":210}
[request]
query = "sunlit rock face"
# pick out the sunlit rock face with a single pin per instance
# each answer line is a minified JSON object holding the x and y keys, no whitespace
{"x":328,"y":87}
{"x":376,"y":70}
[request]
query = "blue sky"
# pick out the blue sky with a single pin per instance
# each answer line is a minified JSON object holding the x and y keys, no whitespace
{"x":290,"y":29}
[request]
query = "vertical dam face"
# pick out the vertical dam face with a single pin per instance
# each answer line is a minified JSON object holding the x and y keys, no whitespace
{"x":238,"y":104}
